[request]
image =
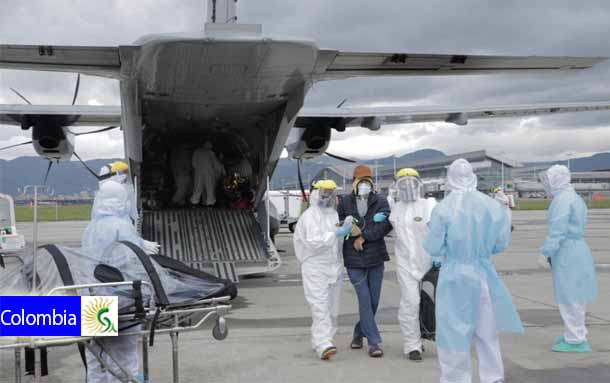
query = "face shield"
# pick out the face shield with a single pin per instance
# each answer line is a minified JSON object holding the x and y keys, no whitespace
{"x":410,"y":189}
{"x":326,"y":198}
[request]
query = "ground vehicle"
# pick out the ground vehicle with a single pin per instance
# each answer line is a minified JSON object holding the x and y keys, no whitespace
{"x":10,"y":240}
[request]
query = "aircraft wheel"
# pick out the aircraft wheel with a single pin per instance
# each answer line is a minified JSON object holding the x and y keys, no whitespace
{"x":291,"y":226}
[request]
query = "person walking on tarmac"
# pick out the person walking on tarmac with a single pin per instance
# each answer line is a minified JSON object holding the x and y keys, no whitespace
{"x":571,"y":262}
{"x":472,"y":303}
{"x":317,"y":244}
{"x":409,"y":218}
{"x":364,"y":254}
{"x":208,"y":170}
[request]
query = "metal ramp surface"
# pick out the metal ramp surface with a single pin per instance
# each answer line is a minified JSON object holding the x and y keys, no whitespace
{"x":223,"y":242}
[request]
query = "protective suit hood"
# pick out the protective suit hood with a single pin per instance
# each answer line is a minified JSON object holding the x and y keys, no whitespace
{"x":559,"y":178}
{"x":461,"y":177}
{"x":111,"y":200}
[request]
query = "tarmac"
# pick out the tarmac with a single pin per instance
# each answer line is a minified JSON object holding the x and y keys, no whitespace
{"x":269,"y":338}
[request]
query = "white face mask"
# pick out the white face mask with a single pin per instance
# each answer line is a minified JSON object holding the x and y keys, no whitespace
{"x":364,"y":189}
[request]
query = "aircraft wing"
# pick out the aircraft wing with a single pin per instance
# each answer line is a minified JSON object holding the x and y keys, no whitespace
{"x":73,"y":115}
{"x":91,"y":60}
{"x":332,"y":64}
{"x":373,"y":117}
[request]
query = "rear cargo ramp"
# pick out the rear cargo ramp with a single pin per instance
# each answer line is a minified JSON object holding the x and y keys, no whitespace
{"x":227,"y":243}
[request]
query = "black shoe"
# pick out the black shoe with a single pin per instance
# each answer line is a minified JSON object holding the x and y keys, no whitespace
{"x":415,"y":356}
{"x":356,"y":343}
{"x":375,"y":351}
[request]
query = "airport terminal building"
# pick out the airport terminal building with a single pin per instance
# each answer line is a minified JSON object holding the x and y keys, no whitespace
{"x":490,"y":169}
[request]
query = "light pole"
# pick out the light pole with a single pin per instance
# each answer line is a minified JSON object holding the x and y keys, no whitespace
{"x":502,"y":171}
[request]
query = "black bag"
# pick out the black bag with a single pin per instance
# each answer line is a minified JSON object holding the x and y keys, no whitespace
{"x":427,"y":317}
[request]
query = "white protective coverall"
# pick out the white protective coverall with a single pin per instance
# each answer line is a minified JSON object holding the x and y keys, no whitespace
{"x":410,"y":223}
{"x":319,"y":251}
{"x":208,"y":170}
{"x":111,"y":223}
{"x":123,"y":179}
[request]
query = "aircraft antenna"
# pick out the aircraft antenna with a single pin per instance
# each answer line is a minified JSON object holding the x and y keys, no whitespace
{"x":222,"y":11}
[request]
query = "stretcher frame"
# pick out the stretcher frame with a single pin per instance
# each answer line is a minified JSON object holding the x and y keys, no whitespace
{"x":176,"y":314}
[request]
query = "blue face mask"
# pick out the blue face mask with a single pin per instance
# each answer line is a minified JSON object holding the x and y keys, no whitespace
{"x":364,"y":189}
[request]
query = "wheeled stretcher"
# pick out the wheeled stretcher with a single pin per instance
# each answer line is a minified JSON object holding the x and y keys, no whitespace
{"x":157,"y":295}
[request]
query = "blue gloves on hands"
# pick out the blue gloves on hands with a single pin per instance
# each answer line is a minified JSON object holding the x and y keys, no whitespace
{"x":346,"y":228}
{"x":379,"y":217}
{"x":343,"y":231}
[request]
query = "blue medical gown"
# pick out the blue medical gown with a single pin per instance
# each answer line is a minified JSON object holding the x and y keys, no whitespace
{"x":466,"y":229}
{"x":572,"y":264}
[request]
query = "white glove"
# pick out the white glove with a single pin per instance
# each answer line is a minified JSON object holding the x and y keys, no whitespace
{"x":543,"y":262}
{"x":151,"y":248}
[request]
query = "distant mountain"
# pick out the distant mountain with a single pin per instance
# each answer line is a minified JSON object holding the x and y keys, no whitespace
{"x":66,"y":177}
{"x":70,"y":177}
{"x":285,"y":175}
{"x":586,"y":164}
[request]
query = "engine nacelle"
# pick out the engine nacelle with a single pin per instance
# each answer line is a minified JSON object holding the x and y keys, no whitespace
{"x":371,"y":123}
{"x":308,"y":143}
{"x":52,"y":142}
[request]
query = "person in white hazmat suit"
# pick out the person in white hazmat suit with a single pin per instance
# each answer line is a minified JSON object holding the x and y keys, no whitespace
{"x":208,"y":170}
{"x":118,"y":171}
{"x":409,"y":218}
{"x":573,"y":268}
{"x":111,"y":223}
{"x":318,"y":241}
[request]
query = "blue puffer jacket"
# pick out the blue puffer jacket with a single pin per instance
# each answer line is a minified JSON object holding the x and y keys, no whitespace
{"x":375,"y":252}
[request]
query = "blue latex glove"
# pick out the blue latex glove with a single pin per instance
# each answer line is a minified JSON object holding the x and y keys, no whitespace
{"x":343,"y":231}
{"x":379,"y":217}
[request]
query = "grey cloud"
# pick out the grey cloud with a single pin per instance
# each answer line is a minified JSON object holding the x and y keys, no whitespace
{"x":544,"y":27}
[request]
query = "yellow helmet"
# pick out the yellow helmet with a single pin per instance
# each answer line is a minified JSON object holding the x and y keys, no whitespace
{"x":325,"y":184}
{"x":407,"y":172}
{"x":119,"y":166}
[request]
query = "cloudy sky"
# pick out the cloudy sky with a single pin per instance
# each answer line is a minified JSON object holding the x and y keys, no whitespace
{"x":514,"y":27}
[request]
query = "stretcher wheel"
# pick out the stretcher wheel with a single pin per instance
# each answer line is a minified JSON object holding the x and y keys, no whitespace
{"x":220,"y":330}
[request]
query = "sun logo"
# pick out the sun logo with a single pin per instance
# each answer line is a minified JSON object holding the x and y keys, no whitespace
{"x":97,"y":316}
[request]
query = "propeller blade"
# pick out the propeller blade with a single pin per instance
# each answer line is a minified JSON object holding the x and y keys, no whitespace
{"x":340,"y":158}
{"x":96,"y":131}
{"x":76,"y":89}
{"x":46,"y":176}
{"x":16,"y":145}
{"x":301,"y":181}
{"x":93,"y":173}
{"x":21,"y":96}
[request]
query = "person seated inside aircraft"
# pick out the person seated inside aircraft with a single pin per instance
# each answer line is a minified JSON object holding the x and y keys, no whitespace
{"x":208,"y":171}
